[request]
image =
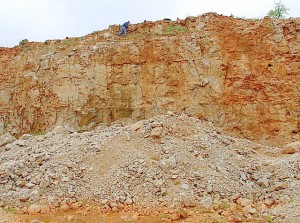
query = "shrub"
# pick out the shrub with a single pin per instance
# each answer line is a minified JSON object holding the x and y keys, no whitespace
{"x":23,"y":42}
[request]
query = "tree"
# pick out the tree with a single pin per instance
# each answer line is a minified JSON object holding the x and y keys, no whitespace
{"x":279,"y":11}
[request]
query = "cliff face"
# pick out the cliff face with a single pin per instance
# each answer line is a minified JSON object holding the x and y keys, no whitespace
{"x":243,"y":75}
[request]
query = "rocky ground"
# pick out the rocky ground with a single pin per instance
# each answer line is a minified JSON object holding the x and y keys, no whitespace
{"x":171,"y":166}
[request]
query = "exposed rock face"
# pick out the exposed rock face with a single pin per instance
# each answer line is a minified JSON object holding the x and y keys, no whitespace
{"x":243,"y":75}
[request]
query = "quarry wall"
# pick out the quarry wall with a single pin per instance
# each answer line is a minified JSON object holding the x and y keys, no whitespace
{"x":243,"y":75}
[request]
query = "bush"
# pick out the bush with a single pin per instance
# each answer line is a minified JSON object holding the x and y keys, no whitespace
{"x":23,"y":42}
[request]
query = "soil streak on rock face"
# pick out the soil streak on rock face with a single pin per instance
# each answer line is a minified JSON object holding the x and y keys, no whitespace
{"x":243,"y":75}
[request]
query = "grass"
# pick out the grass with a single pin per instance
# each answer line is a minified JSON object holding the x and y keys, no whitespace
{"x":5,"y":125}
{"x":69,"y":42}
{"x":161,"y":216}
{"x":270,"y":219}
{"x":37,"y":133}
{"x":175,"y":29}
{"x":223,"y":206}
{"x":10,"y":209}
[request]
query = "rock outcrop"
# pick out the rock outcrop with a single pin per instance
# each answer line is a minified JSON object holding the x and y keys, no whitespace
{"x":243,"y":75}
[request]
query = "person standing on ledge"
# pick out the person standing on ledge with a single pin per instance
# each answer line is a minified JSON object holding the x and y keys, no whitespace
{"x":124,"y":28}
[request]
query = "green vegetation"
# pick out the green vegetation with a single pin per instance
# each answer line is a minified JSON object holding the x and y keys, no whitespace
{"x":37,"y":133}
{"x":10,"y":209}
{"x":236,"y":17}
{"x":223,"y":206}
{"x":270,"y":219}
{"x":24,"y":45}
{"x":175,"y":29}
{"x":279,"y":11}
{"x":69,"y":41}
{"x":161,"y":216}
{"x":5,"y":125}
{"x":23,"y":42}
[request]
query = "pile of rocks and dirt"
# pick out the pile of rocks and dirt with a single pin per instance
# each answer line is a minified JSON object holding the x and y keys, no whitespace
{"x":170,"y":161}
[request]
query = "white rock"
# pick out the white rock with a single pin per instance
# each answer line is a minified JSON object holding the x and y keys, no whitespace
{"x":246,"y":202}
{"x":210,"y":188}
{"x":104,"y":201}
{"x":136,"y":126}
{"x":168,"y":164}
{"x":25,"y":137}
{"x":20,"y":142}
{"x":206,"y":202}
{"x":64,"y":207}
{"x":156,"y":132}
{"x":34,"y":209}
{"x":185,"y":186}
{"x":128,"y":201}
{"x":263,"y":182}
{"x":30,"y":185}
{"x":189,"y":201}
{"x":65,"y":179}
{"x":170,"y":113}
{"x":249,"y":210}
{"x":294,"y":145}
{"x":34,"y":194}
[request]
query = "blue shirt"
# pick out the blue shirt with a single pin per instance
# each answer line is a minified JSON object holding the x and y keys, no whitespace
{"x":126,"y":24}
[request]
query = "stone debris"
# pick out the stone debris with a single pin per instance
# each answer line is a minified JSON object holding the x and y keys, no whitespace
{"x":185,"y":163}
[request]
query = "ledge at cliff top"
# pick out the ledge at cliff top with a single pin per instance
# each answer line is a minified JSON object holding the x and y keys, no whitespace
{"x":243,"y":75}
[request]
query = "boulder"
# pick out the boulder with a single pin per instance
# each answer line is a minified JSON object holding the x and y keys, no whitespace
{"x":206,"y":202}
{"x":34,"y":209}
{"x":291,"y":148}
